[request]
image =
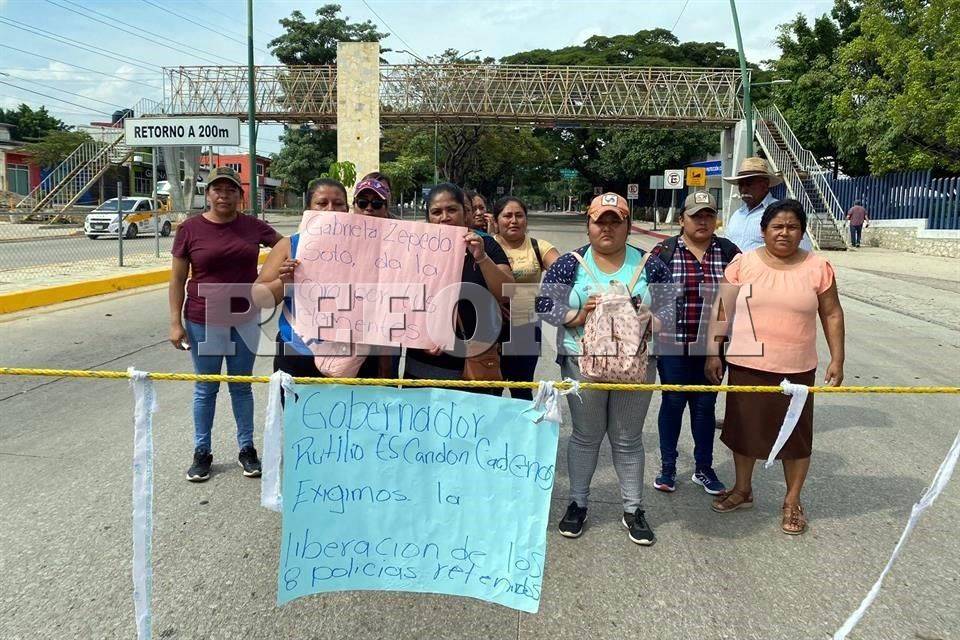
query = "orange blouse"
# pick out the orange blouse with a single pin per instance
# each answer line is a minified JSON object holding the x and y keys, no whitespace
{"x":775,"y":325}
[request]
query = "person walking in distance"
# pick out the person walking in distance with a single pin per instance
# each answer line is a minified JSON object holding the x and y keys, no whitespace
{"x":858,"y":219}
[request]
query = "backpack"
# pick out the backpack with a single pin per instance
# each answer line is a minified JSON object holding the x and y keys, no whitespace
{"x":728,"y":250}
{"x":614,"y":343}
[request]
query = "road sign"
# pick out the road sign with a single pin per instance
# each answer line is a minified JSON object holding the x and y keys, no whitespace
{"x":713,"y":167}
{"x":499,"y":191}
{"x":569,"y":174}
{"x":597,"y":191}
{"x":656,"y":182}
{"x":673,"y":179}
{"x":181,"y":132}
{"x":696,"y":177}
{"x":633,"y":191}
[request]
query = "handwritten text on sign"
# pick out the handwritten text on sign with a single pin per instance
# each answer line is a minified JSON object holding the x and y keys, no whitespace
{"x":376,"y":281}
{"x":425,"y":490}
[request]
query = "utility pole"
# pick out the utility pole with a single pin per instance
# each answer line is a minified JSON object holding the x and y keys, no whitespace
{"x":251,"y":114}
{"x":745,"y":79}
{"x":436,"y":167}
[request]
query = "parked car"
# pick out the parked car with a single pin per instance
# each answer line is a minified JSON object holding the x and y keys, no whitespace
{"x":139,"y":217}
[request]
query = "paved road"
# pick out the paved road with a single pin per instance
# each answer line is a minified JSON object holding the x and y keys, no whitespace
{"x":65,"y":449}
{"x":16,"y":255}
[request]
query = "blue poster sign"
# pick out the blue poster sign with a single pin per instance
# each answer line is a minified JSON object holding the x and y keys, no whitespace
{"x":426,"y":490}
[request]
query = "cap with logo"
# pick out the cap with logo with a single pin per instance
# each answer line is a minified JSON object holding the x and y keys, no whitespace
{"x":609,"y":202}
{"x":224,"y":173}
{"x":371,"y":184}
{"x":699,"y":201}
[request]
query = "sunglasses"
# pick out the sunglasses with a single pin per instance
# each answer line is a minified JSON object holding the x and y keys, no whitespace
{"x":376,"y":204}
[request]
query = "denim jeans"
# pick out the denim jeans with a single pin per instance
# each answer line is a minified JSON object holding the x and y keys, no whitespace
{"x":209,"y":346}
{"x":855,"y":231}
{"x":686,"y":370}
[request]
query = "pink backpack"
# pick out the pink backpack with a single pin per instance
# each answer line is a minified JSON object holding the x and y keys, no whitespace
{"x":614,"y":343}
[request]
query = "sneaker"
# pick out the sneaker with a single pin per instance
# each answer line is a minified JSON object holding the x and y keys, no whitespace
{"x":571,"y":525}
{"x":199,"y":471}
{"x":637,"y":528}
{"x":707,"y":478}
{"x":667,"y":480}
{"x":249,"y":462}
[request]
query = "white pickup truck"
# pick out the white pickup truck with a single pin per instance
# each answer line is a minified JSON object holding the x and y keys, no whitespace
{"x":139,"y":217}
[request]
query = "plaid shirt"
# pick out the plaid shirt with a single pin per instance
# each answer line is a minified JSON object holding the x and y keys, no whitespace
{"x":690,"y":273}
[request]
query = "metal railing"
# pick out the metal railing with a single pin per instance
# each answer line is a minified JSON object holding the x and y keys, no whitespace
{"x":805,"y":160}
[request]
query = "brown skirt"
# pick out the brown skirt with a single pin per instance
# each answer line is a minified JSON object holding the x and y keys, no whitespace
{"x":752,"y":420}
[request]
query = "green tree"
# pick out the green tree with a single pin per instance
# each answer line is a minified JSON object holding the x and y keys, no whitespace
{"x":808,"y":55}
{"x":315,"y":42}
{"x":304,"y":154}
{"x":30,"y":124}
{"x":900,"y":79}
{"x":54,"y":146}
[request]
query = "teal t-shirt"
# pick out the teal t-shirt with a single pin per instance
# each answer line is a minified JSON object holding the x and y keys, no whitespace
{"x":585,"y":286}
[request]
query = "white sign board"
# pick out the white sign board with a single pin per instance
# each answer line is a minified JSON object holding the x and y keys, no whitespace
{"x":181,"y":132}
{"x":633,"y":191}
{"x":656,"y":182}
{"x":673,"y":179}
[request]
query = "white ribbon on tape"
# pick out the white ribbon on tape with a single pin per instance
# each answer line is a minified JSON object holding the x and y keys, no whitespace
{"x":798,"y":398}
{"x":547,"y":399}
{"x":273,"y":441}
{"x":930,"y":494}
{"x":145,"y":404}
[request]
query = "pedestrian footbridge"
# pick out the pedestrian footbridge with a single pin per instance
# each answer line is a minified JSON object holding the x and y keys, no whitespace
{"x":474,"y":94}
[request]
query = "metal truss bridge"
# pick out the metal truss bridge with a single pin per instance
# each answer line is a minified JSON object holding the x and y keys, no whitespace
{"x":493,"y":94}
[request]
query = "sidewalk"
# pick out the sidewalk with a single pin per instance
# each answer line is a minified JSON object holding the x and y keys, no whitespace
{"x":20,"y":232}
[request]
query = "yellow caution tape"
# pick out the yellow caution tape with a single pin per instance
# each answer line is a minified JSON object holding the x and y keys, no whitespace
{"x":391,"y":382}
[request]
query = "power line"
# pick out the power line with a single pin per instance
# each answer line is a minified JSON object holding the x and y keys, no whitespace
{"x":70,"y":93}
{"x":222,"y":34}
{"x":46,"y":95}
{"x":113,"y":55}
{"x":76,"y":66}
{"x":684,"y":8}
{"x":134,"y":33}
{"x":392,"y":31}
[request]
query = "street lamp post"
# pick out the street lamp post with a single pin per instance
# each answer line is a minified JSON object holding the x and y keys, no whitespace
{"x":251,"y":114}
{"x":745,"y":76}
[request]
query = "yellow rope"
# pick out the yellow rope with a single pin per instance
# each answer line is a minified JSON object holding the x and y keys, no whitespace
{"x":605,"y":386}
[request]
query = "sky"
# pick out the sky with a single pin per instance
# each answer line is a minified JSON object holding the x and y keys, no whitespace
{"x":129,"y":41}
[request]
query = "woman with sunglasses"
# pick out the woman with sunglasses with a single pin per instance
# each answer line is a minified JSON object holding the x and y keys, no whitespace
{"x":371,"y":196}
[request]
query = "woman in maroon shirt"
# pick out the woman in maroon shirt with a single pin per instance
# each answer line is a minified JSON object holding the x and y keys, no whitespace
{"x":219,"y":250}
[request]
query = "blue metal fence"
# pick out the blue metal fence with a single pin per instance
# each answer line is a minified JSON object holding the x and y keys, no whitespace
{"x":909,"y":194}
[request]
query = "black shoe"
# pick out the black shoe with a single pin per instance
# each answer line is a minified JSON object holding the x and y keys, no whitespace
{"x":571,"y":524}
{"x":199,"y":471}
{"x":249,"y":461}
{"x":638,"y":529}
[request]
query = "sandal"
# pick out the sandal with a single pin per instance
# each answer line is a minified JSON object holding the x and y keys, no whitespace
{"x":732,"y":500}
{"x":794,"y":522}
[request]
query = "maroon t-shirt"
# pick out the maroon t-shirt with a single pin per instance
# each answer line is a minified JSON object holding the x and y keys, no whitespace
{"x":220,"y":254}
{"x":856,"y":215}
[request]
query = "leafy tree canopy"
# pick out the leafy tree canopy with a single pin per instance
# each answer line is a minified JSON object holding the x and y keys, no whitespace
{"x":315,"y":42}
{"x":30,"y":124}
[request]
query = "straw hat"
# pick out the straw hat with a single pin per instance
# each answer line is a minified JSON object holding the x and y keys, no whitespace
{"x":752,"y":167}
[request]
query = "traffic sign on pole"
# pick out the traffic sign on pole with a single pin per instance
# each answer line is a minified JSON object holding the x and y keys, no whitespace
{"x":656,"y":182}
{"x":633,"y":191}
{"x":673,"y":179}
{"x":499,"y":191}
{"x":696,"y":177}
{"x":597,"y":191}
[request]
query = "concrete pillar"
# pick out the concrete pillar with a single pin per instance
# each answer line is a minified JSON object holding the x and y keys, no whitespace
{"x":358,"y":105}
{"x":733,"y":149}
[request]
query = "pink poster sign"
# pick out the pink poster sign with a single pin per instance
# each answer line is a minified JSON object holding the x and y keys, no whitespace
{"x":377,"y":281}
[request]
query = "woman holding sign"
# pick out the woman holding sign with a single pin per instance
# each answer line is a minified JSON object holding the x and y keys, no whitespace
{"x":294,"y":357}
{"x":529,"y":259}
{"x":486,"y":266}
{"x":218,"y":250}
{"x":571,"y":290}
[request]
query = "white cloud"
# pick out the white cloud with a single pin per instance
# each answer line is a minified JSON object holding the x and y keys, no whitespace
{"x":585,"y":33}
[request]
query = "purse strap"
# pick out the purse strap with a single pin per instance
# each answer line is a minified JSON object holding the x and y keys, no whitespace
{"x":633,"y":281}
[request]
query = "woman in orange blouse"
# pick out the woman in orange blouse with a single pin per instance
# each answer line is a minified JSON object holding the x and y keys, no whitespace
{"x":774,"y":336}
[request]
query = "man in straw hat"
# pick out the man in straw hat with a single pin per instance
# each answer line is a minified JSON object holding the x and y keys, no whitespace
{"x":753,"y":181}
